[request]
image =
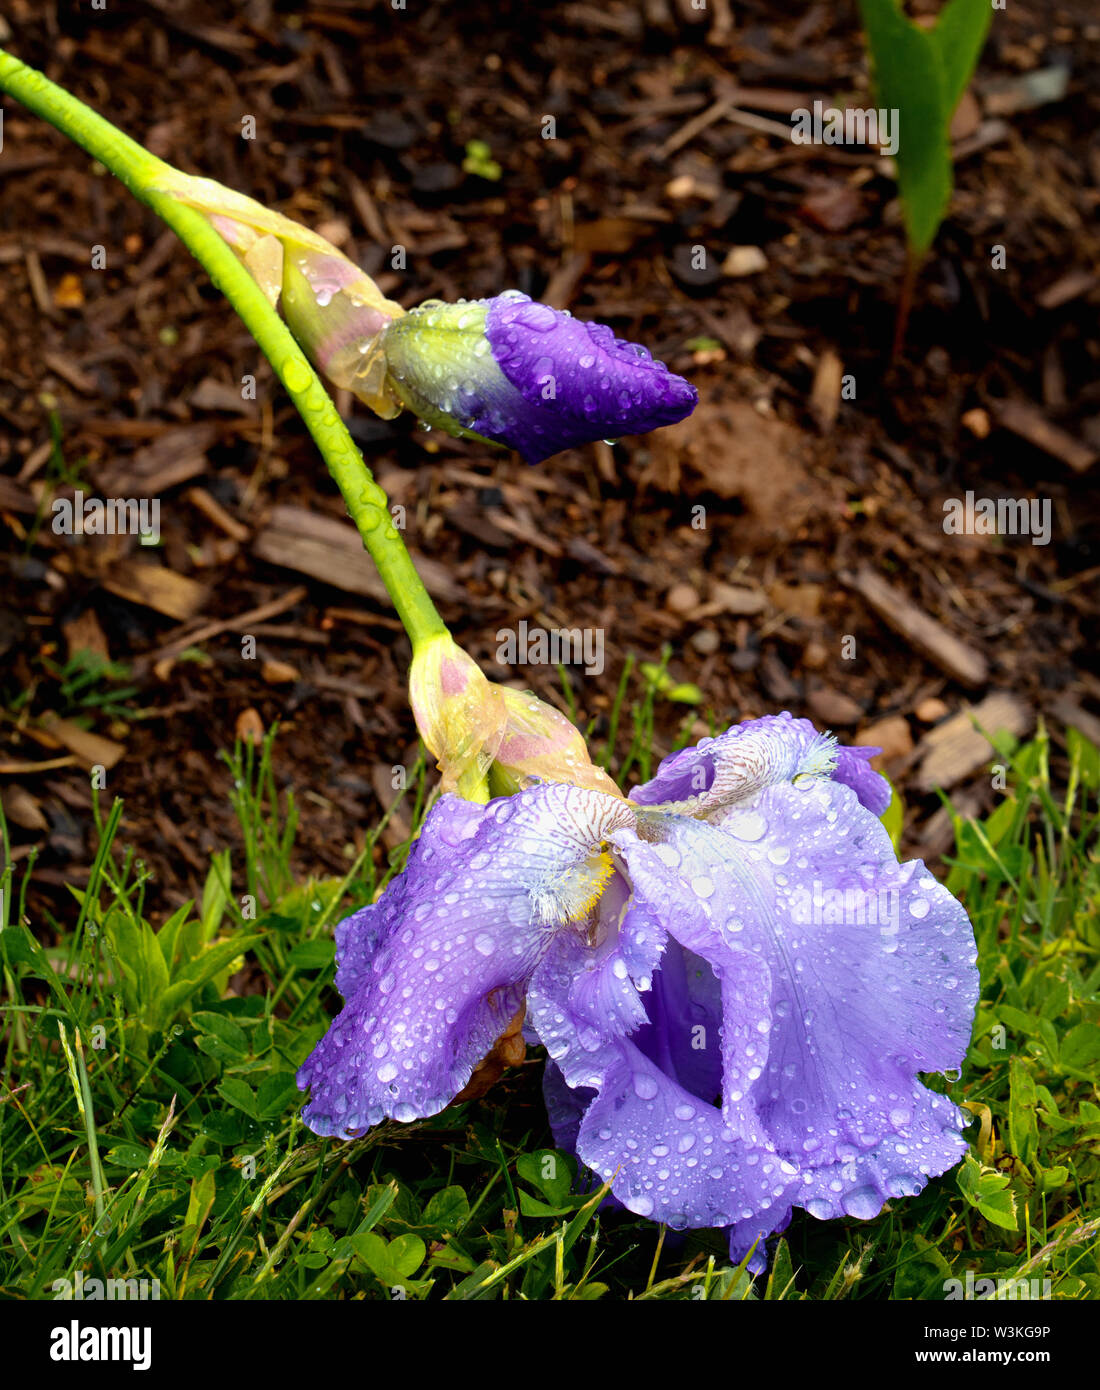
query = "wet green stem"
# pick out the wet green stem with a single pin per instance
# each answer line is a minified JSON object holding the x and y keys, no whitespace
{"x":141,"y":171}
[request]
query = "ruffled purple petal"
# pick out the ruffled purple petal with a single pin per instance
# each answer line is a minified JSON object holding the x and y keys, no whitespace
{"x":671,"y":1157}
{"x":436,"y":968}
{"x":854,"y":770}
{"x":871,"y":980}
{"x":652,"y":1047}
{"x":928,"y":1143}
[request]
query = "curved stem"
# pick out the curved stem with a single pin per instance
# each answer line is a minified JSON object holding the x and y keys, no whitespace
{"x":139,"y":171}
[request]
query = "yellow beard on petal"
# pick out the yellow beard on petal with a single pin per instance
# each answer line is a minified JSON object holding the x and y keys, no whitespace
{"x":572,"y":897}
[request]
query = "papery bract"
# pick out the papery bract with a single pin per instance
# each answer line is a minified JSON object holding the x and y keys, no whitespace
{"x":459,"y":713}
{"x":334,"y":309}
{"x":471,"y":725}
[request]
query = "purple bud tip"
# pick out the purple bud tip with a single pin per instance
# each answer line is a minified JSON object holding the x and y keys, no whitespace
{"x":576,"y":381}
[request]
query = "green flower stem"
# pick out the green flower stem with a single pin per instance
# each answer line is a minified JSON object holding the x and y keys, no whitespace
{"x":141,"y":171}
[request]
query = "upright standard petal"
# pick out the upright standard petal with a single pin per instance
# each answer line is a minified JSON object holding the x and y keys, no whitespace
{"x":434,"y":971}
{"x":715,"y":772}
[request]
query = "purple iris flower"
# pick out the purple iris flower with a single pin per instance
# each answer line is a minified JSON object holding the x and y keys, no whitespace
{"x":511,"y":371}
{"x":735,"y":979}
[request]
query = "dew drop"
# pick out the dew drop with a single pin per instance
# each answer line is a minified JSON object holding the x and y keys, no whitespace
{"x":745,"y":825}
{"x":296,"y":375}
{"x":645,"y":1087}
{"x":863,"y":1203}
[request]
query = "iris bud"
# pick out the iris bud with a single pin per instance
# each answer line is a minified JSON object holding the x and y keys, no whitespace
{"x":511,"y":371}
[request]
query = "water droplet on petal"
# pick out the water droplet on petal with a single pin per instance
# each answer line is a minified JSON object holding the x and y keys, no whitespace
{"x":745,"y":825}
{"x":863,"y":1203}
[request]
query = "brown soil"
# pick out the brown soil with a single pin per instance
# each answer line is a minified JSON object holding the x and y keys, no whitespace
{"x":737,"y":537}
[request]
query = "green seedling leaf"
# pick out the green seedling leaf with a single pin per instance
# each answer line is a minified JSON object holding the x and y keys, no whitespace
{"x":128,"y":1156}
{"x":198,"y":1165}
{"x":168,"y":938}
{"x":531,"y":1206}
{"x":1085,"y":756}
{"x":958,"y":36}
{"x":922,"y":74}
{"x":406,"y":1254}
{"x":223,"y":1039}
{"x":1056,"y":1002}
{"x":1023,"y":1128}
{"x":1081,"y":1047}
{"x":394,"y":1261}
{"x":1051,"y":1179}
{"x":1017,"y":1020}
{"x":303,"y":906}
{"x":215,"y":894}
{"x":479,"y":160}
{"x":195,"y":973}
{"x":49,"y":1188}
{"x":781,"y":1276}
{"x":381,"y":1198}
{"x":683,"y":692}
{"x":19,"y":947}
{"x":921,"y":1271}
